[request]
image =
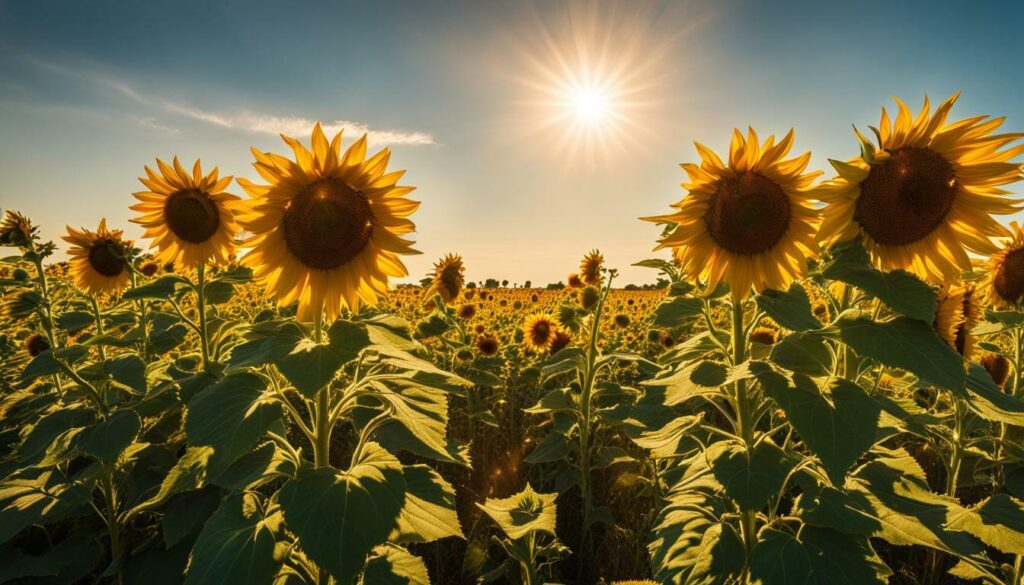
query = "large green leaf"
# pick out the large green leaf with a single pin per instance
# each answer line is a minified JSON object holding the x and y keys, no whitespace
{"x":522,"y":513}
{"x":393,"y":565}
{"x":189,"y":473}
{"x":25,"y":501}
{"x":107,"y":439}
{"x":310,"y":366}
{"x":51,"y":426}
{"x":838,"y":428}
{"x":904,"y":343}
{"x":900,"y":290}
{"x":187,"y":512}
{"x":419,"y":419}
{"x":806,"y":353}
{"x":237,"y":544}
{"x":69,"y":561}
{"x":988,"y":400}
{"x":677,"y":311}
{"x":428,"y":513}
{"x":815,"y":556}
{"x":791,"y":309}
{"x":719,"y":557}
{"x":339,"y":517}
{"x":998,"y":521}
{"x":231,"y":416}
{"x":701,"y":378}
{"x":750,"y":478}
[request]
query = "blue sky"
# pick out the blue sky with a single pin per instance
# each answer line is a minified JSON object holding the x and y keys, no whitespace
{"x":90,"y":91}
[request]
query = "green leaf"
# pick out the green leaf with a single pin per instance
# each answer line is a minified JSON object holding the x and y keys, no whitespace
{"x":162,"y":288}
{"x":127,"y":372}
{"x":189,"y":473}
{"x":719,"y":557}
{"x":791,"y":309}
{"x":429,"y":510}
{"x":906,"y":344}
{"x":340,"y":517}
{"x":838,"y":428}
{"x":74,"y":321}
{"x":817,"y":556}
{"x":107,"y":439}
{"x":752,"y":478}
{"x":187,"y":513}
{"x":393,"y":565}
{"x":49,"y":428}
{"x":68,"y":561}
{"x":988,"y":400}
{"x":237,"y":545}
{"x":805,"y":353}
{"x":553,"y":447}
{"x":418,"y":423}
{"x":677,"y":311}
{"x":998,"y":521}
{"x":522,"y":513}
{"x":666,"y":442}
{"x":702,"y":378}
{"x":902,"y":291}
{"x":231,"y":416}
{"x":310,"y":366}
{"x":261,"y":465}
{"x":46,"y":364}
{"x":25,"y":501}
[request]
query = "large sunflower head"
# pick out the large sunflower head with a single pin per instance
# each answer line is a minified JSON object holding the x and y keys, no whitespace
{"x":187,"y":215}
{"x":327,"y":229}
{"x":539,"y":332}
{"x":447,"y":279}
{"x":925,"y":195}
{"x":590,"y":268}
{"x":1004,"y":279}
{"x":956,"y":315}
{"x":751,"y":222}
{"x":98,"y":260}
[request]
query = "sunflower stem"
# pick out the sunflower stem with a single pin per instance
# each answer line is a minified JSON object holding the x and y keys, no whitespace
{"x":99,"y":326}
{"x":51,"y":331}
{"x":143,"y":318}
{"x":204,"y":338}
{"x":322,"y":424}
{"x":745,"y":428}
{"x":586,"y":390}
{"x":113,"y":525}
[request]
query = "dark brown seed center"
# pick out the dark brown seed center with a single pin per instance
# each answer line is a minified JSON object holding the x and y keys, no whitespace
{"x":105,"y":257}
{"x":1009,"y":280}
{"x":906,"y":197}
{"x":748,"y":214}
{"x":192,"y":215}
{"x":327,"y":224}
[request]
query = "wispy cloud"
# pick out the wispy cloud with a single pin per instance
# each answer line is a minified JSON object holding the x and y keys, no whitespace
{"x":246,"y":121}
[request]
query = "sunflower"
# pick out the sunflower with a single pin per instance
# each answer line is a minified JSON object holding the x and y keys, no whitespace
{"x":487,"y":345}
{"x":997,"y":366}
{"x":1004,"y":279}
{"x":326,"y":231}
{"x":925,"y":196}
{"x":17,"y":230}
{"x":187,"y":215}
{"x":448,"y":278}
{"x":956,"y":315}
{"x":590,"y":268}
{"x":539,"y":332}
{"x":98,"y":260}
{"x":750,"y":223}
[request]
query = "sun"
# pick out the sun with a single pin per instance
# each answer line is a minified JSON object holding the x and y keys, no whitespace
{"x":591,"y":105}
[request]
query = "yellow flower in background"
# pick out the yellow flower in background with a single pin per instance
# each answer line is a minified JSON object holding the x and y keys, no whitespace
{"x":957,"y":313}
{"x":1003,"y":286}
{"x":98,"y":260}
{"x":751,"y":222}
{"x":326,"y":230}
{"x":590,"y":268}
{"x":539,"y":332}
{"x":187,"y":215}
{"x":447,"y":279}
{"x":925,"y":196}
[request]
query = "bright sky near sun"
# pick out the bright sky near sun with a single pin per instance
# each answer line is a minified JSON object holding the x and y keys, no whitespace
{"x":533,"y":131}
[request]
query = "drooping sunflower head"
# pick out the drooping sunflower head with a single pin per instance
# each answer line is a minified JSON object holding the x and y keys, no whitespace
{"x":327,"y":229}
{"x":98,"y":260}
{"x":1004,"y":280}
{"x":925,"y":194}
{"x":447,"y":279}
{"x":487,"y":345}
{"x":36,"y":344}
{"x":187,"y":215}
{"x":539,"y":332}
{"x":574,"y":281}
{"x":590,"y":268}
{"x":750,"y":223}
{"x":562,"y":339}
{"x":956,"y":315}
{"x":17,"y":230}
{"x":997,"y":366}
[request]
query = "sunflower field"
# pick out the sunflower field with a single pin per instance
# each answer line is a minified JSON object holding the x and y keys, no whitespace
{"x":827,"y":389}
